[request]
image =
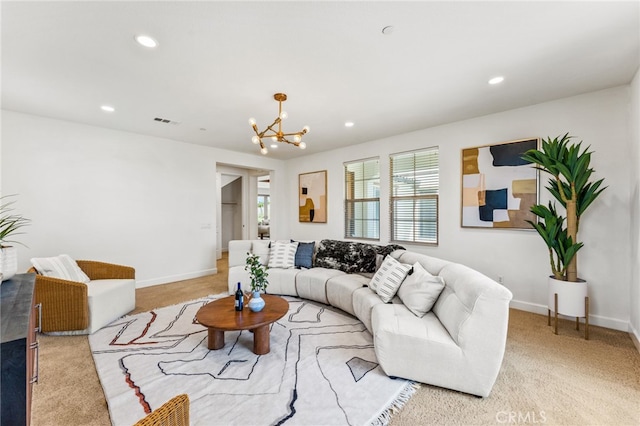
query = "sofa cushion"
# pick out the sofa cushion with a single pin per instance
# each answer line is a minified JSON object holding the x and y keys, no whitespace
{"x":63,"y":267}
{"x":283,"y":281}
{"x":283,"y":254}
{"x":346,"y":256}
{"x":388,"y":278}
{"x":363,"y":301}
{"x":420,"y":290}
{"x":312,"y":283}
{"x":304,"y":255}
{"x":432,"y":264}
{"x":340,"y":290}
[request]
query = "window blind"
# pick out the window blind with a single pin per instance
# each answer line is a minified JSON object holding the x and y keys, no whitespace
{"x":414,"y":196}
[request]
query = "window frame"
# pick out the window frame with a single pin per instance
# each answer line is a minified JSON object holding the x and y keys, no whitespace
{"x":350,"y":203}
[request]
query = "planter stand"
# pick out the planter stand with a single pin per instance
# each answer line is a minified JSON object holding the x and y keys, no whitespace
{"x":555,"y":314}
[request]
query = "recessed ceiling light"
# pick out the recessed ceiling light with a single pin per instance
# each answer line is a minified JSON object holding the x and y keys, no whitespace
{"x":349,"y":124}
{"x":496,"y":80}
{"x":146,"y":41}
{"x":107,"y":108}
{"x":274,"y":145}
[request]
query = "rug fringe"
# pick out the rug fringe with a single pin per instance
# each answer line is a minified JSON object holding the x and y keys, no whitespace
{"x":396,"y":405}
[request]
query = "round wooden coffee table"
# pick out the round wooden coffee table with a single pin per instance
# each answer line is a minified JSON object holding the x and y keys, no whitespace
{"x":220,"y":316}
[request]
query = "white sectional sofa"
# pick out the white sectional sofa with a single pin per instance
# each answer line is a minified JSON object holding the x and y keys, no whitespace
{"x":459,"y":344}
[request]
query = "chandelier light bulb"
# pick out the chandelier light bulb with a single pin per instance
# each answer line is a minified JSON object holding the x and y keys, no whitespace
{"x":255,"y":139}
{"x":264,"y":151}
{"x":297,"y":138}
{"x":274,"y":138}
{"x":302,"y":145}
{"x":306,"y":129}
{"x":283,"y":115}
{"x":252,"y":121}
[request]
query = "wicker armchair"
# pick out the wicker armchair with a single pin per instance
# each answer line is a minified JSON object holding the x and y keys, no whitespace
{"x":174,"y":412}
{"x":65,"y":304}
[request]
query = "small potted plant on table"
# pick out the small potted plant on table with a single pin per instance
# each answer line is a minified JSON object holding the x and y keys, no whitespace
{"x":258,"y":274}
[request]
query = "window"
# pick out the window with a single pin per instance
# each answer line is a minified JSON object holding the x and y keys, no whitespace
{"x":414,"y":196}
{"x":362,"y":199}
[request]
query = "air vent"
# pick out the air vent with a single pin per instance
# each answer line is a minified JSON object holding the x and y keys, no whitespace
{"x":166,"y":120}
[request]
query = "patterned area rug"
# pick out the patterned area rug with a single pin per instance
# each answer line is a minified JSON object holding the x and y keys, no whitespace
{"x":322,"y":369}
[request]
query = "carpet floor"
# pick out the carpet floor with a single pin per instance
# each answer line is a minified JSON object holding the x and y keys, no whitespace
{"x":545,"y":379}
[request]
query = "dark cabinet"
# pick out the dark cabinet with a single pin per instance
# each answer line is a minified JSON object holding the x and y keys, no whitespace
{"x":19,"y":349}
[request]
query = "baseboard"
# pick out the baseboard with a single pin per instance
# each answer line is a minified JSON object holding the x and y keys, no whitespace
{"x":635,"y":336}
{"x":173,"y":278}
{"x":613,"y":323}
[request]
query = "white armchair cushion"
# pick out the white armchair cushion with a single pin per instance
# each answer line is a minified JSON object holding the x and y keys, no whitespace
{"x":63,"y":267}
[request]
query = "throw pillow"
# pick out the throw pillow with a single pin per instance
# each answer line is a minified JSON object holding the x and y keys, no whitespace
{"x":262,"y":249}
{"x":304,"y":255}
{"x":420,"y":290}
{"x":283,"y":254}
{"x":63,"y":267}
{"x":345,"y":256}
{"x":388,"y":278}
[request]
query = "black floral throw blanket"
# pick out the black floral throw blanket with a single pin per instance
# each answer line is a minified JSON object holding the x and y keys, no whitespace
{"x":350,"y":257}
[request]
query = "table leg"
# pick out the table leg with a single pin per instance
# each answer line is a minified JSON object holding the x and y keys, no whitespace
{"x":216,"y":339}
{"x":261,"y":340}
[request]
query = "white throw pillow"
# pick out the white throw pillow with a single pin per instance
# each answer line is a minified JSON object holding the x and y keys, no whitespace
{"x":283,"y":254}
{"x":261,"y":248}
{"x":420,"y":290}
{"x":62,"y":266}
{"x":388,"y":278}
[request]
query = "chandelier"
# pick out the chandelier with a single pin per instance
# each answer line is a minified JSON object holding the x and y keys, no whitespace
{"x":277,"y":135}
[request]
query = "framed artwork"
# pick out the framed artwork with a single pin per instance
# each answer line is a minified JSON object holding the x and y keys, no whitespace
{"x":498,"y":186}
{"x":312,"y":195}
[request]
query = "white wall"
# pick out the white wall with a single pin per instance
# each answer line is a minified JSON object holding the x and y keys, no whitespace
{"x":600,"y":119}
{"x":634,"y":158}
{"x":119,"y":197}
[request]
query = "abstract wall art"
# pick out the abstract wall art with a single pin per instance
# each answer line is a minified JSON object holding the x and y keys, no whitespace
{"x":312,"y":195}
{"x":498,"y":186}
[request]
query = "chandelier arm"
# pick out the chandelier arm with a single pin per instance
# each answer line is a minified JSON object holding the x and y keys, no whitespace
{"x":293,"y":134}
{"x":289,"y":142}
{"x":277,"y":120}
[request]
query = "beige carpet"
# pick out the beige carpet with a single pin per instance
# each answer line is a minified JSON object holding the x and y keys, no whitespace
{"x":545,"y":379}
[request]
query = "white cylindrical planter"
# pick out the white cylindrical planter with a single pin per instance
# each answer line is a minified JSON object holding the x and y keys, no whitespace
{"x":8,"y":262}
{"x":571,"y":297}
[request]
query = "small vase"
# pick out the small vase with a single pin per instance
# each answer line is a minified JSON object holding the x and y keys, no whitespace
{"x":256,"y":304}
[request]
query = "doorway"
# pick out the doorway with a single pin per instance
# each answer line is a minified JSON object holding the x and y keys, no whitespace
{"x":264,"y":207}
{"x":237,"y":204}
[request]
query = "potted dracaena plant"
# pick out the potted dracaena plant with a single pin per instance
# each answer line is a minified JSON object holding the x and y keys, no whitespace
{"x":258,"y":275}
{"x":568,"y":165}
{"x":10,"y":225}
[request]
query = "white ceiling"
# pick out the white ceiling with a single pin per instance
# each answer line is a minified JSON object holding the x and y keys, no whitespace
{"x":219,"y":63}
